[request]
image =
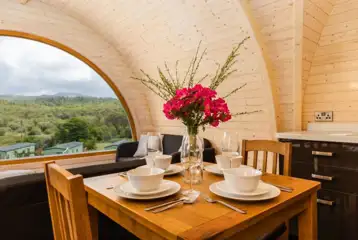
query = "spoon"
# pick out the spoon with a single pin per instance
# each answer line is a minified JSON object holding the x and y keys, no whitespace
{"x":190,"y":198}
{"x":210,"y":200}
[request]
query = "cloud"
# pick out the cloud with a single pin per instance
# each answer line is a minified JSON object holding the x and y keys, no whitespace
{"x":31,"y":68}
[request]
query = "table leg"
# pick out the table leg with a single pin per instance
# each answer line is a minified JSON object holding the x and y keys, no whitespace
{"x":307,"y":220}
{"x":93,"y":213}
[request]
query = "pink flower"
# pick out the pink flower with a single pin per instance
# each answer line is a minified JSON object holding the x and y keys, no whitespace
{"x":197,"y":105}
{"x":215,"y":123}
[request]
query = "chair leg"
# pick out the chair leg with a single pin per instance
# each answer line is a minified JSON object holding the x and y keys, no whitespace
{"x":284,"y":236}
{"x":93,"y":213}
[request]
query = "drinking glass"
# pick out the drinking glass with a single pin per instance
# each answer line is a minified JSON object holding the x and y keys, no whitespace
{"x":154,"y":147}
{"x":230,"y":144}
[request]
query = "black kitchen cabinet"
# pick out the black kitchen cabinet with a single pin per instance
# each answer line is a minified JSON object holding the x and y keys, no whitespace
{"x":335,"y":165}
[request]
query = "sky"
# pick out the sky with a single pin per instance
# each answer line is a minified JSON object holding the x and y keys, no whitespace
{"x":32,"y":68}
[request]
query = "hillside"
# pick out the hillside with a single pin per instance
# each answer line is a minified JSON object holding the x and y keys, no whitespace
{"x":38,"y":118}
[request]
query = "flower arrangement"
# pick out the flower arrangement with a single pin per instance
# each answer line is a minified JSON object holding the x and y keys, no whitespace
{"x":187,"y":100}
{"x":197,"y":106}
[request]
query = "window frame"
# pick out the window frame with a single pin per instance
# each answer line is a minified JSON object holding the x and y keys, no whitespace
{"x":105,"y":77}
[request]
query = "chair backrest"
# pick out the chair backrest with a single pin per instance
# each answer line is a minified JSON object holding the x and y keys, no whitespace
{"x":277,"y":148}
{"x":68,"y":204}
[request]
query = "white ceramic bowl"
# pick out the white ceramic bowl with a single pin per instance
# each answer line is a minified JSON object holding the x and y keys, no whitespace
{"x":145,"y":179}
{"x":226,"y":161}
{"x":162,"y":161}
{"x":242,"y":179}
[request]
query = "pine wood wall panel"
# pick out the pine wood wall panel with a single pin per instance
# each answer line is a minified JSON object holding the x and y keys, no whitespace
{"x":332,"y":83}
{"x":145,"y":34}
{"x":277,"y":26}
{"x":316,"y":16}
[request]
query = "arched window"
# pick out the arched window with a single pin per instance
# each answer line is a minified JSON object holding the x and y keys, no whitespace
{"x":53,"y":103}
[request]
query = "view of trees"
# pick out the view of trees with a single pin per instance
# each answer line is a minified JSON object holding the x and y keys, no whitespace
{"x":50,"y":120}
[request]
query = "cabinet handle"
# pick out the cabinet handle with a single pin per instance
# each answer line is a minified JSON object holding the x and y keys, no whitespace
{"x":326,"y":154}
{"x":322,"y":177}
{"x":325,"y":202}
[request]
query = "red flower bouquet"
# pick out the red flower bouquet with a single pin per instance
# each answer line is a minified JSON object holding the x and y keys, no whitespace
{"x":197,"y":106}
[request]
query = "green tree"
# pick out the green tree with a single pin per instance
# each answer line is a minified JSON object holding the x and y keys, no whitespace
{"x":117,"y":120}
{"x":44,"y":126}
{"x":90,"y":144}
{"x":14,"y":126}
{"x":96,"y":133}
{"x":32,"y":131}
{"x":73,"y":129}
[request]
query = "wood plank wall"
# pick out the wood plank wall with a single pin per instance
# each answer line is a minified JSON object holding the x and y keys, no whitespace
{"x":220,"y":25}
{"x":122,"y":37}
{"x":316,"y":13}
{"x":277,"y":23}
{"x":333,"y":78}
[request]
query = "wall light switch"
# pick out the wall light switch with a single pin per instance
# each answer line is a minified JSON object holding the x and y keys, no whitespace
{"x":323,"y":116}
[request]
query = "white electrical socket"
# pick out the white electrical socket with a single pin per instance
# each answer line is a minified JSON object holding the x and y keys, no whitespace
{"x":323,"y":116}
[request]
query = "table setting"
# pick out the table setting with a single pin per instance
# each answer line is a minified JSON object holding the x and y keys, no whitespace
{"x":154,"y":181}
{"x":217,"y":200}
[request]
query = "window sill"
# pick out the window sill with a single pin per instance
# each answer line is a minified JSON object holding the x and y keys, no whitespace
{"x":99,"y":155}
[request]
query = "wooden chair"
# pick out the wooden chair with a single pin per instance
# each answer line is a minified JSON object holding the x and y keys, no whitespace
{"x":277,"y":148}
{"x":68,"y":204}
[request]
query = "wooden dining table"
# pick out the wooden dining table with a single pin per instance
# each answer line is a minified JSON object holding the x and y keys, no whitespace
{"x":204,"y":220}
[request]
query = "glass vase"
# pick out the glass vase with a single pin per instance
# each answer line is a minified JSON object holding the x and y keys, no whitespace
{"x":192,"y":157}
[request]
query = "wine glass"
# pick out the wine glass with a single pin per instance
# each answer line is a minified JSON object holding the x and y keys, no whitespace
{"x":154,"y":147}
{"x":230,"y":144}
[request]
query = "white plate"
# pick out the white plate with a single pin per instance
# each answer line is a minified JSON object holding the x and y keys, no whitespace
{"x":175,"y":188}
{"x":214,"y":169}
{"x":128,"y":188}
{"x":262,"y":188}
{"x":273,"y":192}
{"x":172,"y":169}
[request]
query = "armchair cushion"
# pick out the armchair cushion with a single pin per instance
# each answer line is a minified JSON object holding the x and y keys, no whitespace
{"x":126,"y":150}
{"x":176,"y":157}
{"x":171,"y":144}
{"x":209,"y":155}
{"x":142,"y":147}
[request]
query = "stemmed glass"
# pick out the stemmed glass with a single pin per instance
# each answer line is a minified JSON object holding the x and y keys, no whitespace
{"x":154,"y":147}
{"x":230,"y":144}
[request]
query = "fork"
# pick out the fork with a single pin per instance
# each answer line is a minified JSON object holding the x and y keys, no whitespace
{"x":283,"y":188}
{"x":210,"y":200}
